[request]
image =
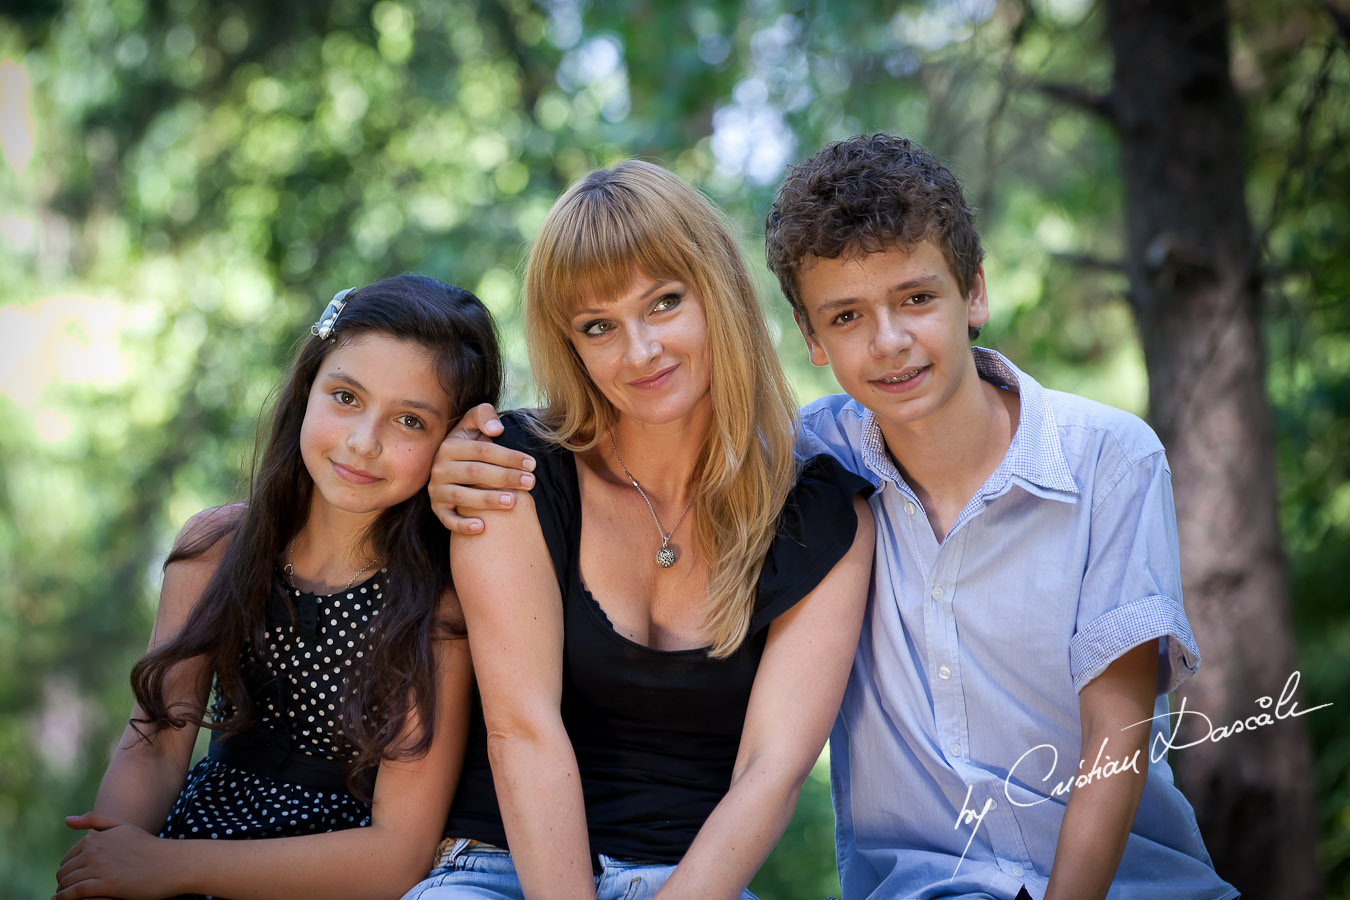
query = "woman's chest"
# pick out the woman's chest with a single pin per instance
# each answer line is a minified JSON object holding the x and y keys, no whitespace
{"x":614,"y":682}
{"x":662,"y":607}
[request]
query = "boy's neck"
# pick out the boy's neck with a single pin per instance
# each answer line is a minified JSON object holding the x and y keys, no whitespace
{"x":947,"y":456}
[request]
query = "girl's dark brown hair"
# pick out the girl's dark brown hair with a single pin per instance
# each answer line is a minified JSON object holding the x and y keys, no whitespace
{"x":395,"y":677}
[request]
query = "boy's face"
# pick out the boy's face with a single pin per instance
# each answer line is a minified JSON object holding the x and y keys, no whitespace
{"x":893,"y":326}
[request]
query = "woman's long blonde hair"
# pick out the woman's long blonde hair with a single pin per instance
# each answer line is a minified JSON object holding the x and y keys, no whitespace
{"x":640,"y":216}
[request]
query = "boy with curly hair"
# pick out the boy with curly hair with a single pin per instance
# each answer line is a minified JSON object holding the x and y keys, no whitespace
{"x":1026,"y":620}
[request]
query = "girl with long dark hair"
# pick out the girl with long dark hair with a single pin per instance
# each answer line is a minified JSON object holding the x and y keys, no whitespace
{"x":321,"y":618}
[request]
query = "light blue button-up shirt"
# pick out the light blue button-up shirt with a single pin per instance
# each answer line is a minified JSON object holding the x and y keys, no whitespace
{"x":964,"y":692}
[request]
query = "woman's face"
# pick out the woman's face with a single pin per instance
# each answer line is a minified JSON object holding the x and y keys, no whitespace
{"x":646,"y":349}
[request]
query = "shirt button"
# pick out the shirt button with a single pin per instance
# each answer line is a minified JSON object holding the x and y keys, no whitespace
{"x":1018,"y":871}
{"x":993,"y":804}
{"x":944,"y":673}
{"x":938,"y":592}
{"x":909,"y":508}
{"x":956,"y":749}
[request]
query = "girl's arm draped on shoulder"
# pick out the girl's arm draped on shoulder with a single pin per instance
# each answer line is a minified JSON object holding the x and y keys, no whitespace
{"x":411,"y":800}
{"x":513,"y":610}
{"x":471,"y":473}
{"x":797,"y":691}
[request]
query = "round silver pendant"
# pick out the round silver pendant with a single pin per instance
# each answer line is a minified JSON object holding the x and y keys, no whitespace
{"x":665,"y":557}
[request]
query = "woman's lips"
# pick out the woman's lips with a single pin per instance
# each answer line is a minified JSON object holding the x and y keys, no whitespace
{"x":653,"y":381}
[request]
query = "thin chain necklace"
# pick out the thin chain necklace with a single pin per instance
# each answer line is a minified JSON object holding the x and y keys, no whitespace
{"x":289,"y":569}
{"x":665,"y":557}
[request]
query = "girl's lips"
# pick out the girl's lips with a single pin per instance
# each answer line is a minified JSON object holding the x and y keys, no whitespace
{"x":351,"y":474}
{"x":653,"y":381}
{"x":900,"y":387}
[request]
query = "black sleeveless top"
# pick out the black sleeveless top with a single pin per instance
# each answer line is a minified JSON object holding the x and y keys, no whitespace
{"x":655,"y":732}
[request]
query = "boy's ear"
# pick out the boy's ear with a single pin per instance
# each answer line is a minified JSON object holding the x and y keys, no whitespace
{"x":977,"y":302}
{"x":814,"y":351}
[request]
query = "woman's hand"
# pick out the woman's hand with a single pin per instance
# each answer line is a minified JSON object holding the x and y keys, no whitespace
{"x":115,"y":859}
{"x":471,"y":473}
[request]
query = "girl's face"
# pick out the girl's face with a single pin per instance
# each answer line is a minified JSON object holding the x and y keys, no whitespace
{"x":647,"y":350}
{"x":375,"y":418}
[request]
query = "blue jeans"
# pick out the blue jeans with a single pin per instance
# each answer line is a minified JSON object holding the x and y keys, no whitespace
{"x":469,"y":870}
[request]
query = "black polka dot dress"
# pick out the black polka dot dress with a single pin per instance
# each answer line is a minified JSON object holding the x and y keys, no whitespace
{"x":286,"y":775}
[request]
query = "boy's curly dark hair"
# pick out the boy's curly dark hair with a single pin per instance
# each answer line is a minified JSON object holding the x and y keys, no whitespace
{"x":868,"y":194}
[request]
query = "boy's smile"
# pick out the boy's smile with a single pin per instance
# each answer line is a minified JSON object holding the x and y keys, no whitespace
{"x":893,"y":326}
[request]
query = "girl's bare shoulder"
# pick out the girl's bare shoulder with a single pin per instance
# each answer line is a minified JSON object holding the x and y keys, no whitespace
{"x":204,"y":537}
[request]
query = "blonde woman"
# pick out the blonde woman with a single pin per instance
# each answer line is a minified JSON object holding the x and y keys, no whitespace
{"x":662,"y":628}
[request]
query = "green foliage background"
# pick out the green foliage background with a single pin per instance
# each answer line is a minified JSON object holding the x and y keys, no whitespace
{"x":185,"y":184}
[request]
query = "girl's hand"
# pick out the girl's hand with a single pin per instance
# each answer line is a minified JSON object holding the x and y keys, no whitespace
{"x":471,"y":473}
{"x":114,"y":860}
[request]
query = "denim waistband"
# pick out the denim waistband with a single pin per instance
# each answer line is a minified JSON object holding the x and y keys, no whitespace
{"x":451,"y":849}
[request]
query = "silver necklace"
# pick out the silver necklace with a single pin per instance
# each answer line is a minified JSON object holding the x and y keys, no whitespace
{"x":665,"y":557}
{"x":289,"y":569}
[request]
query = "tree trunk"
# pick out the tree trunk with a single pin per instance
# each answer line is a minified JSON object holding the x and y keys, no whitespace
{"x":1197,"y":295}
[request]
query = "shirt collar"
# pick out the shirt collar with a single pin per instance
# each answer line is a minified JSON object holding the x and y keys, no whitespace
{"x":1036,"y":455}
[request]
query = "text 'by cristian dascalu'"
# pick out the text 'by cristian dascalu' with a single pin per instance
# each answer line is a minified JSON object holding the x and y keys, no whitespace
{"x":1105,"y":766}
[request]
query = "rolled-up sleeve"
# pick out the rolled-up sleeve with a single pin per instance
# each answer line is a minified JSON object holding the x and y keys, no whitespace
{"x":1132,"y":584}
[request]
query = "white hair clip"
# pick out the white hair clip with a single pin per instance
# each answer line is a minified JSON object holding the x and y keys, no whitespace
{"x":324,"y":327}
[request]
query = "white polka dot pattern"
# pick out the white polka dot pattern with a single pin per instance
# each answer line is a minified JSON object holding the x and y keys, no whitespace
{"x":310,"y":663}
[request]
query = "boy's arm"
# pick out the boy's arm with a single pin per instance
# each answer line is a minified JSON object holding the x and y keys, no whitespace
{"x":1099,"y":814}
{"x":1131,"y":642}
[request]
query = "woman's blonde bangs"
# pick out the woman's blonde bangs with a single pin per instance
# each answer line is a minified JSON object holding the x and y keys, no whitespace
{"x":598,"y":236}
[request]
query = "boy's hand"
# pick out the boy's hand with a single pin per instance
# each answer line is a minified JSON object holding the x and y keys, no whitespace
{"x":114,"y":860}
{"x":473,"y":473}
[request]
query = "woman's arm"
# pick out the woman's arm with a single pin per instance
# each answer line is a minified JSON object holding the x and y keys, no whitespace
{"x":408,"y":812}
{"x":513,"y":609}
{"x":796,"y":696}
